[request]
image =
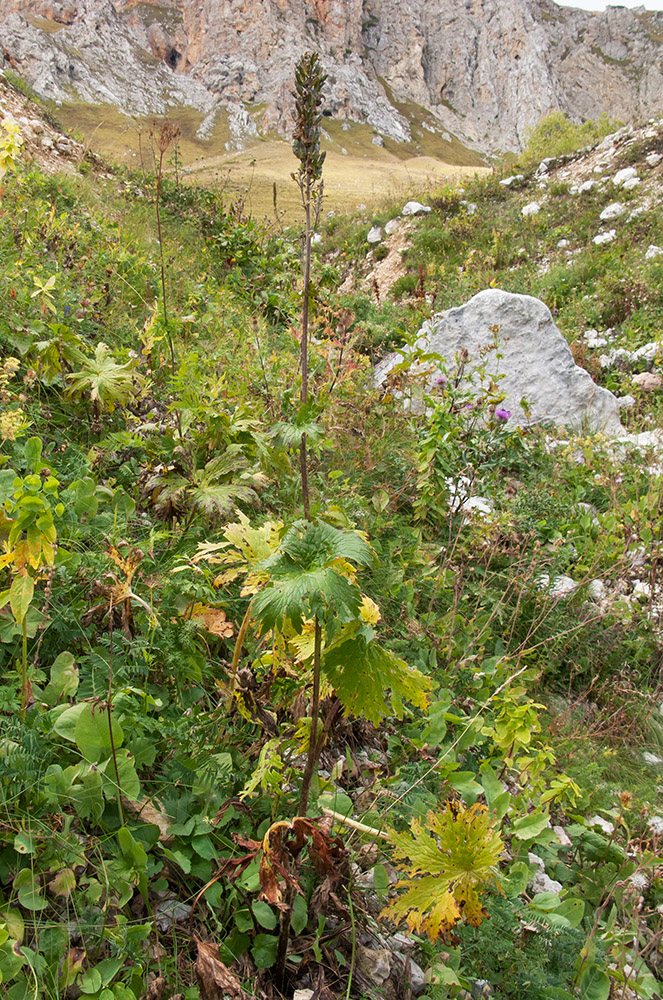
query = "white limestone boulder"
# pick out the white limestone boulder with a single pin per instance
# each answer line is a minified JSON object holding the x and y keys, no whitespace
{"x":534,"y":359}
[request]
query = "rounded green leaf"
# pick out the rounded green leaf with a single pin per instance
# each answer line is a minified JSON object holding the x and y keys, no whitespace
{"x":594,"y":984}
{"x":66,"y":719}
{"x":64,"y":675}
{"x":299,"y":915}
{"x":93,"y":734}
{"x":90,"y":981}
{"x":264,"y":950}
{"x":264,"y":914}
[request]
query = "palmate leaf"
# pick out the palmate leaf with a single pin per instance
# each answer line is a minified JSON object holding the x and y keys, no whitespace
{"x":367,"y":677}
{"x":453,"y":859}
{"x":300,"y":593}
{"x":212,"y":490}
{"x":311,"y":571}
{"x":110,"y":384}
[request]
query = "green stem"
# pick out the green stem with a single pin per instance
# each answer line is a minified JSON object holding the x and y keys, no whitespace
{"x":120,"y":807}
{"x":24,"y":669}
{"x":303,"y":460}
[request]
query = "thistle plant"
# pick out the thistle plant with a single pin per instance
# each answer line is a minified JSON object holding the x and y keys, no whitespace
{"x":309,"y":81}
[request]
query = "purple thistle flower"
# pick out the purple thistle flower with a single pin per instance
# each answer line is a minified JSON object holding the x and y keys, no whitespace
{"x":441,"y":380}
{"x":502,"y":414}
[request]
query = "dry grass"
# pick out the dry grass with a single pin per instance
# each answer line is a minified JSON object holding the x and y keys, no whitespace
{"x":356,"y":171}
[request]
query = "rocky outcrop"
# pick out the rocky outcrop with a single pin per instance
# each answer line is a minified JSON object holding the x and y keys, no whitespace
{"x":486,"y":69}
{"x":515,"y":339}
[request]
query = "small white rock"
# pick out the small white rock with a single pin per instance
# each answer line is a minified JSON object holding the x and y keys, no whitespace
{"x":605,"y":237}
{"x":377,"y":140}
{"x":624,"y":175}
{"x":532,"y":209}
{"x":603,"y":824}
{"x":316,"y":238}
{"x":562,"y":835}
{"x":612,"y":211}
{"x":596,"y":590}
{"x":561,"y":586}
{"x":587,"y":186}
{"x":626,"y":402}
{"x":415,"y":208}
{"x":653,"y":159}
{"x":374,"y":235}
{"x":630,"y":184}
{"x":542,"y":883}
{"x":653,"y":251}
{"x":648,"y":381}
{"x":562,"y":244}
{"x":652,"y":759}
{"x":477,"y":505}
{"x":392,"y":226}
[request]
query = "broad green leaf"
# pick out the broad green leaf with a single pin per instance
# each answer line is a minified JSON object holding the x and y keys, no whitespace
{"x":7,"y":479}
{"x":11,"y":962}
{"x":24,"y":843}
{"x":132,"y":849}
{"x":340,"y":802}
{"x":546,"y":901}
{"x":243,"y":920}
{"x":179,"y":859}
{"x":13,"y":921}
{"x":204,"y":847}
{"x":264,"y":950}
{"x":573,"y":910}
{"x":90,"y":981}
{"x":530,"y":826}
{"x":66,"y":719}
{"x":464,"y":782}
{"x":517,"y":879}
{"x":264,"y":914}
{"x":93,"y":733}
{"x":108,"y":968}
{"x":20,"y":596}
{"x":32,"y":449}
{"x":30,"y":894}
{"x":126,"y":774}
{"x":299,"y":915}
{"x":594,"y":984}
{"x":365,"y":675}
{"x":380,"y":880}
{"x":64,"y":676}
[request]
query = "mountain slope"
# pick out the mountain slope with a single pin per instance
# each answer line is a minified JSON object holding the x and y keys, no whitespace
{"x":486,"y":70}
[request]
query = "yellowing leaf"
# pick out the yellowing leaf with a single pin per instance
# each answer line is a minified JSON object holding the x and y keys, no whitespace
{"x":64,"y":883}
{"x":452,"y":860}
{"x":369,"y":611}
{"x":20,"y":596}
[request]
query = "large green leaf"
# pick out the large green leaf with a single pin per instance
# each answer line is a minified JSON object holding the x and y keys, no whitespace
{"x":594,"y":984}
{"x":304,"y":593}
{"x":93,"y":734}
{"x":64,"y":679}
{"x":311,"y":572}
{"x":365,"y":675}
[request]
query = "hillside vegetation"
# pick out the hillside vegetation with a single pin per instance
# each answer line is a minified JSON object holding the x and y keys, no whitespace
{"x":484,"y":816}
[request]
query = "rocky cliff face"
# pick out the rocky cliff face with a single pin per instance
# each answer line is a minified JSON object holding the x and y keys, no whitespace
{"x":486,"y":69}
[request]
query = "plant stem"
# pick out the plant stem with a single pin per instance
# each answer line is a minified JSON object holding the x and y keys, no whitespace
{"x":303,"y":460}
{"x":24,"y":668}
{"x":163,"y":270}
{"x":241,"y":635}
{"x":315,"y":745}
{"x":120,"y":807}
